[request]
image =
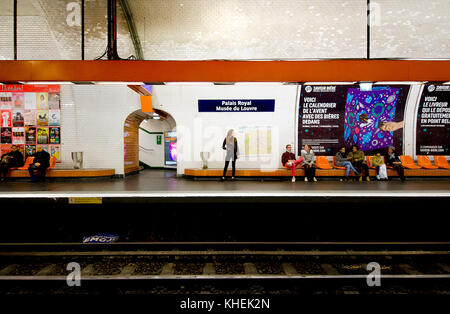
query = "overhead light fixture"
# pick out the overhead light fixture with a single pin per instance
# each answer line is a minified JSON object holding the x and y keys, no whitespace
{"x":400,"y":83}
{"x":190,"y":83}
{"x":48,"y":83}
{"x":446,"y":83}
{"x":119,"y":83}
{"x":365,"y":86}
{"x":329,"y":83}
{"x":258,"y":83}
{"x":157,"y":118}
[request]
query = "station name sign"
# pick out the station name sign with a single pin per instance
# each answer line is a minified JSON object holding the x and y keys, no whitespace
{"x":236,"y":105}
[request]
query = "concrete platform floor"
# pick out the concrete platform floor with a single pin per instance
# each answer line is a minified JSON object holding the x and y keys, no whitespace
{"x":165,"y":184}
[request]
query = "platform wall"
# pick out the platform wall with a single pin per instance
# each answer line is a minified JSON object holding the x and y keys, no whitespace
{"x":92,"y":120}
{"x":205,"y":131}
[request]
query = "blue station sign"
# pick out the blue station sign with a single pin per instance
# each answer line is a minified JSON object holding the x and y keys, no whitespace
{"x":236,"y":105}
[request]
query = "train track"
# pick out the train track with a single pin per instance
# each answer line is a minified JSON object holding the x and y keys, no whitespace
{"x":269,"y":266}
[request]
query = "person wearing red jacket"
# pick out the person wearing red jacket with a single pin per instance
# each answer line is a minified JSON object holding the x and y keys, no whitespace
{"x":288,"y":160}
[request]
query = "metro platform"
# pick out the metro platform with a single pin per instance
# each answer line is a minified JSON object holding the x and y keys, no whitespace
{"x":165,"y":186}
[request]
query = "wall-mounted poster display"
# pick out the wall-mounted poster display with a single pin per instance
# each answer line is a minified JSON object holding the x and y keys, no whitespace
{"x":5,"y":100}
{"x":170,"y":148}
{"x":42,"y":117}
{"x":433,"y":120}
{"x":30,"y":135}
{"x":54,"y":117}
{"x":335,"y":115}
{"x":42,"y":101}
{"x":30,"y":117}
{"x":30,"y":150}
{"x":42,"y":135}
{"x":6,"y":116}
{"x":18,"y":118}
{"x":53,"y":101}
{"x":6,"y":135}
{"x":18,"y":136}
{"x":257,"y":140}
{"x":54,"y":136}
{"x":18,"y":100}
{"x":30,"y":101}
{"x":54,"y":151}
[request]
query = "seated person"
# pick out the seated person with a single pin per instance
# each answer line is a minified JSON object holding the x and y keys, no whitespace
{"x":288,"y":160}
{"x":341,"y":160}
{"x":358,"y":161}
{"x":308,"y":163}
{"x":13,"y":159}
{"x":40,"y":163}
{"x":393,"y":161}
{"x":378,"y":163}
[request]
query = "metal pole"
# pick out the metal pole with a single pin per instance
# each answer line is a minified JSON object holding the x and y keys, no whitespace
{"x":15,"y":29}
{"x":112,"y":30}
{"x":368,"y":29}
{"x":82,"y":29}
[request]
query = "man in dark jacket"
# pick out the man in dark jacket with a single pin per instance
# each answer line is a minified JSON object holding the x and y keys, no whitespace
{"x":358,"y":161}
{"x":40,"y":163}
{"x":393,"y":161}
{"x":13,"y":159}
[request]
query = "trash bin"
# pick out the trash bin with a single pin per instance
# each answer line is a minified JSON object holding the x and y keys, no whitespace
{"x":77,"y":158}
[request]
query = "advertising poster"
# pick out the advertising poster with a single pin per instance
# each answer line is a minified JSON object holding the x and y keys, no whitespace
{"x":42,"y":136}
{"x":42,"y":117}
{"x":6,"y":135}
{"x":18,"y":118}
{"x":18,"y":136}
{"x":29,"y":150}
{"x":5,"y":149}
{"x":170,"y":149}
{"x":42,"y":101}
{"x":343,"y":115}
{"x":30,"y":117}
{"x":55,"y":137}
{"x":6,"y":116}
{"x":433,"y":121}
{"x":53,"y":101}
{"x":30,"y":135}
{"x":30,"y":101}
{"x":55,"y":151}
{"x":18,"y":100}
{"x":5,"y":100}
{"x":54,"y":117}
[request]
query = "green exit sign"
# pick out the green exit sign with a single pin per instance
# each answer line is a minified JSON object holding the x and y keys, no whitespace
{"x":158,"y":139}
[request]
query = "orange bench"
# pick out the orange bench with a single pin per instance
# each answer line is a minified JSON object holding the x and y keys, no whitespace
{"x":322,"y":162}
{"x":425,"y":162}
{"x":408,"y":162}
{"x":441,"y":162}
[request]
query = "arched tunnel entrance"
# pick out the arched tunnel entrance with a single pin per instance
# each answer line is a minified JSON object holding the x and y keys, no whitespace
{"x":149,"y":141}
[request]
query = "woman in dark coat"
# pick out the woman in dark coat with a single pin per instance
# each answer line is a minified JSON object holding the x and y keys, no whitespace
{"x":231,"y":146}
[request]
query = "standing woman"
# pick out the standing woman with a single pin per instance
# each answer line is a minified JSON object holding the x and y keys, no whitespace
{"x":231,"y":146}
{"x":308,"y":163}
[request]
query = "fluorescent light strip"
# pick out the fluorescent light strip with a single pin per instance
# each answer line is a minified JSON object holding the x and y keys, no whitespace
{"x":190,"y":83}
{"x":119,"y":83}
{"x":47,"y":83}
{"x":257,"y":83}
{"x":399,"y":83}
{"x":329,"y":83}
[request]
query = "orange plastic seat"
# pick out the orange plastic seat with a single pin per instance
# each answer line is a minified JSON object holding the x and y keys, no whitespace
{"x":441,"y":162}
{"x":425,"y":162}
{"x":52,"y":163}
{"x":334,"y":164}
{"x":27,"y":163}
{"x":408,"y":162}
{"x":322,"y":162}
{"x":369,"y":162}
